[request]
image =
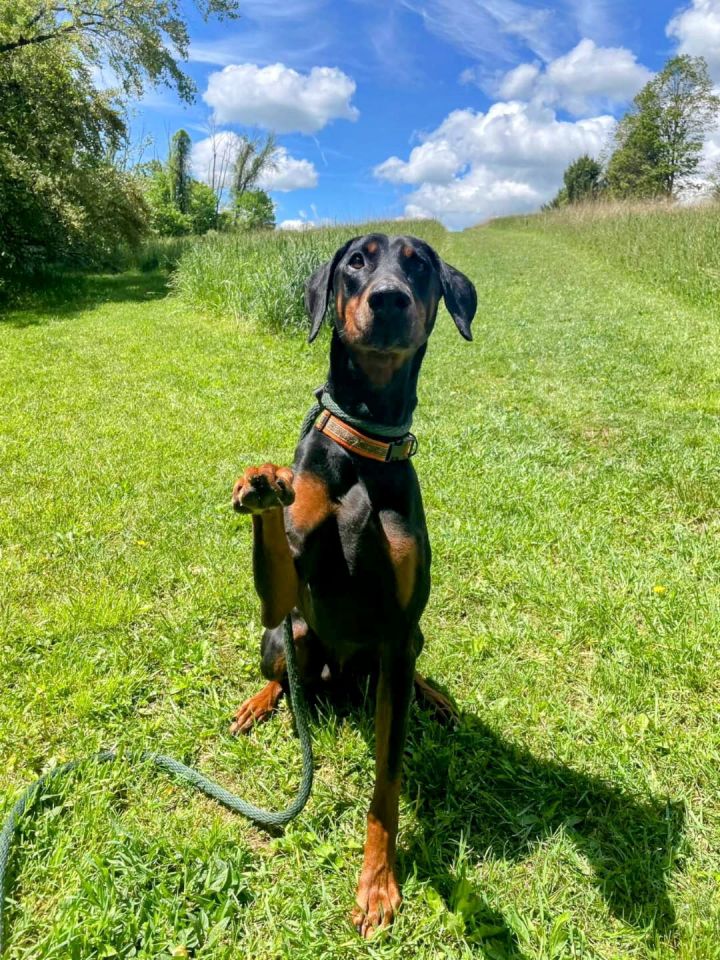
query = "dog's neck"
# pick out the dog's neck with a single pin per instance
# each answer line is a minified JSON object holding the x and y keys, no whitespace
{"x":390,"y":405}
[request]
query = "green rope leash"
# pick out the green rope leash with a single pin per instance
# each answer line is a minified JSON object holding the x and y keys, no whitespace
{"x":265,"y":818}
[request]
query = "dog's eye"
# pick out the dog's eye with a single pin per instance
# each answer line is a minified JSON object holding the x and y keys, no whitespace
{"x":356,"y":261}
{"x":419,"y":264}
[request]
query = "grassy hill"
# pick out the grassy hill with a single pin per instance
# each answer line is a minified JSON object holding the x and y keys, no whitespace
{"x":568,"y":459}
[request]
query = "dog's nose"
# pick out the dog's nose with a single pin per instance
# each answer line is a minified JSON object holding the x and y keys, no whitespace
{"x":388,"y":301}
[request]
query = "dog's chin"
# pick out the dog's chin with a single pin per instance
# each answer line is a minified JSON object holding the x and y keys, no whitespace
{"x":380,"y":364}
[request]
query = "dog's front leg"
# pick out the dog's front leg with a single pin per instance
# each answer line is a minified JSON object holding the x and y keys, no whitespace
{"x":264,"y":492}
{"x":378,"y":896}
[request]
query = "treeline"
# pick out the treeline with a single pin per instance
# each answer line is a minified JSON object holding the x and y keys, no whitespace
{"x":658,"y":144}
{"x":69,"y":195}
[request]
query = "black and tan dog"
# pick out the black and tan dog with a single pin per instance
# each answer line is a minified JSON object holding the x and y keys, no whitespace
{"x":340,"y":539}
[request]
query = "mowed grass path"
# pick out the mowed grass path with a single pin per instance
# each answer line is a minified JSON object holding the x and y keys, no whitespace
{"x":569,"y":463}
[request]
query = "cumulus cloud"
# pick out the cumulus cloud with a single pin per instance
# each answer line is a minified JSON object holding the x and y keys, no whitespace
{"x":582,"y":81}
{"x":288,"y":173}
{"x":435,"y":161}
{"x":212,"y":159}
{"x":279,"y":98}
{"x":507,"y":160}
{"x":697,"y":31}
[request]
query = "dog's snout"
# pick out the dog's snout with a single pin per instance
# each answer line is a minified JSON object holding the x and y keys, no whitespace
{"x":388,"y":301}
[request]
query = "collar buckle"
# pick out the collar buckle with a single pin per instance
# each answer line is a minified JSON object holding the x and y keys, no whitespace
{"x":402,"y":449}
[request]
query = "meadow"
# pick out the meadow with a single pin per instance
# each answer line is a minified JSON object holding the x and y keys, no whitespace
{"x":568,"y":461}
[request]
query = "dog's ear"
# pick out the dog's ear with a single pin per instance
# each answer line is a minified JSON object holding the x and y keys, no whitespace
{"x":459,"y":295}
{"x":319,"y":288}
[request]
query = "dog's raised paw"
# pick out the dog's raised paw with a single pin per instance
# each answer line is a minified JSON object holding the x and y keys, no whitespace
{"x":263,"y":488}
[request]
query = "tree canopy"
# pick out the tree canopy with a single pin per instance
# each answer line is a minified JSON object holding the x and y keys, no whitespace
{"x":141,"y":41}
{"x":254,"y":210}
{"x":64,"y":197}
{"x":659,"y":142}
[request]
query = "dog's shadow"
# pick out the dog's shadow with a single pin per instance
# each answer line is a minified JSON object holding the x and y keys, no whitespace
{"x":468,"y":782}
{"x":476,"y":795}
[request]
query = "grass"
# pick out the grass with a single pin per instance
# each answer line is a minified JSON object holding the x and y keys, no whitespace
{"x":260,"y":277}
{"x":568,"y":459}
{"x":670,"y":247}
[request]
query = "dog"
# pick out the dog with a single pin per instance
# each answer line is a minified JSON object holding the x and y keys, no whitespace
{"x":340,"y":539}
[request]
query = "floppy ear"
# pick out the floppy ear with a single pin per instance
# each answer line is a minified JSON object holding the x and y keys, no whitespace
{"x":459,"y":295}
{"x":318,"y":290}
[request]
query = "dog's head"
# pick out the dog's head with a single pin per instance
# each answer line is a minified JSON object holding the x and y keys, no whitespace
{"x":386,"y":292}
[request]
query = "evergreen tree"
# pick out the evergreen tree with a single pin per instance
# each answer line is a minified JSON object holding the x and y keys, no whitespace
{"x":583,"y":180}
{"x":179,"y":170}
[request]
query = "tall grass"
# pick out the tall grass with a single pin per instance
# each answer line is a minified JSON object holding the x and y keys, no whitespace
{"x":260,"y":277}
{"x":156,"y":253}
{"x":669,"y":246}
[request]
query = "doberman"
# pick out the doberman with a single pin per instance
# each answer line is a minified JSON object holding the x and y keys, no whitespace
{"x":340,"y":540}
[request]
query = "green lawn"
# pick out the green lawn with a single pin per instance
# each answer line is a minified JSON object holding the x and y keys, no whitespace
{"x":569,"y":463}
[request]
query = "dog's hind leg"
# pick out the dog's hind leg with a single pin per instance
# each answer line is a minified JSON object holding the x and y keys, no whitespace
{"x":440,"y":705}
{"x":274,"y":668}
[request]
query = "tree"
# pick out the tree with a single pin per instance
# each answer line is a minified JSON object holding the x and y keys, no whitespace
{"x":583,"y":180}
{"x":253,"y":158}
{"x":559,"y":200}
{"x":659,"y":141}
{"x":64,"y":194}
{"x":141,"y":41}
{"x":179,"y":171}
{"x":202,"y":207}
{"x":166,"y":219}
{"x":254,"y":210}
{"x":61,"y":197}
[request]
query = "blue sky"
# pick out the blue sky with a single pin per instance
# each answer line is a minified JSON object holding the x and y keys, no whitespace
{"x":460,"y":109}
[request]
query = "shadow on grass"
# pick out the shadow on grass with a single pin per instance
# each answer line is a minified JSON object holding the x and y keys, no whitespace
{"x":469,"y":784}
{"x":70,"y":295}
{"x":476,"y":795}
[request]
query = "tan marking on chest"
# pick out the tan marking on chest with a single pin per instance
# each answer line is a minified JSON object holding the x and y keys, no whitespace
{"x":312,"y":504}
{"x":402,"y":549}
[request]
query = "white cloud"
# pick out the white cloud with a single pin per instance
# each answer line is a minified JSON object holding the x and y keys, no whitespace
{"x":434,"y":161}
{"x":288,"y":173}
{"x":506,"y":160}
{"x":518,"y":84}
{"x":586,"y":79}
{"x":491,"y":28}
{"x":279,"y":98}
{"x":212,"y":158}
{"x":697,"y":31}
{"x":295,"y":225}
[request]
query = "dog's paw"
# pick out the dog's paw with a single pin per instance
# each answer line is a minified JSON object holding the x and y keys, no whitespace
{"x":440,"y":705}
{"x":263,"y":488}
{"x":378,"y":900}
{"x":257,"y":708}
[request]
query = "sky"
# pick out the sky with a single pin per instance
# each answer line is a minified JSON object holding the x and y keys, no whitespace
{"x":456,"y":109}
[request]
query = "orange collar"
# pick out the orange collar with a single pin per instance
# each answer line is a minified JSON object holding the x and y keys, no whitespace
{"x":360,"y":443}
